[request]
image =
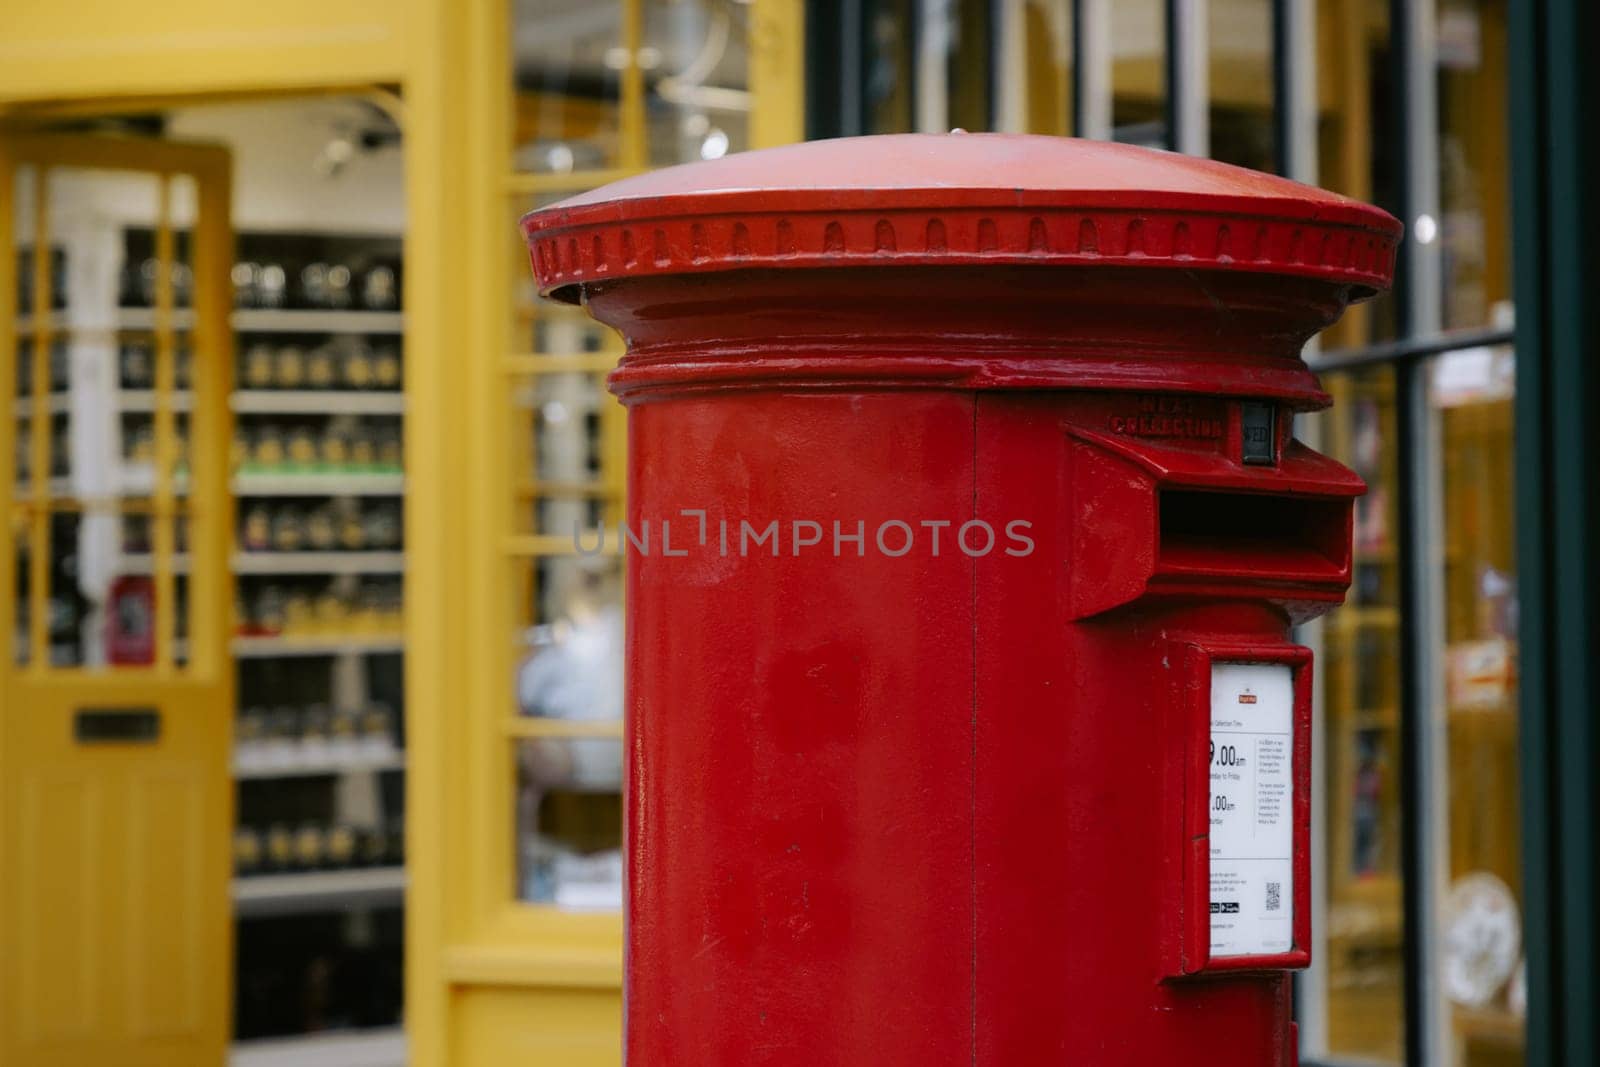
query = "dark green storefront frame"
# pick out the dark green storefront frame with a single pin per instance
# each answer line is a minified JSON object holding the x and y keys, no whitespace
{"x":1555,"y":139}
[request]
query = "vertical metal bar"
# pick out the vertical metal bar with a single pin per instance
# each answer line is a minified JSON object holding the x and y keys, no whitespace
{"x":1413,"y":904}
{"x":1421,"y":777}
{"x":633,"y":121}
{"x":1286,"y":87}
{"x":163,"y":511}
{"x":1570,"y":327}
{"x":1077,"y":69}
{"x":1091,"y":69}
{"x":1294,"y":72}
{"x":1001,"y":16}
{"x":835,"y":68}
{"x":929,"y":80}
{"x":1424,"y":767}
{"x":854,"y":29}
{"x":39,"y":430}
{"x":1536,"y":725}
{"x":1188,"y":89}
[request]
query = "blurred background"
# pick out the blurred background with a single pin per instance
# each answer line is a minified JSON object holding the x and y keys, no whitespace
{"x":297,"y":451}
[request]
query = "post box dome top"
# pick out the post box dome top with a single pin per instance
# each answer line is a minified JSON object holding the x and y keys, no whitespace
{"x":958,"y":199}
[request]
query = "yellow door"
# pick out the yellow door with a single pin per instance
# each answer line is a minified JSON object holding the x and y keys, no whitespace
{"x":115,"y":683}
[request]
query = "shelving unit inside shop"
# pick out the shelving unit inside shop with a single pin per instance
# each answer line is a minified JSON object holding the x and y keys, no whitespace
{"x":318,"y":566}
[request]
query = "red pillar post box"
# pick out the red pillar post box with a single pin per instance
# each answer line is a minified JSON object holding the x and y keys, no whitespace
{"x":966,"y":532}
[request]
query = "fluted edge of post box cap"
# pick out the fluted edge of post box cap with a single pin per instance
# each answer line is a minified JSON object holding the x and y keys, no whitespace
{"x":958,"y":199}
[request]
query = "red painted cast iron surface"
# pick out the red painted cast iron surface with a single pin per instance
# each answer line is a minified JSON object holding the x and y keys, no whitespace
{"x":894,"y":804}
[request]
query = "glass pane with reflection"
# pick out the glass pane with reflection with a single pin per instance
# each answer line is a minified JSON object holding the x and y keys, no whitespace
{"x":1474,"y":163}
{"x":1239,"y":34}
{"x":1138,"y":72}
{"x":587,"y":99}
{"x":569,"y":702}
{"x":1359,"y":979}
{"x":1479,"y":922}
{"x":1356,"y":117}
{"x":569,"y":823}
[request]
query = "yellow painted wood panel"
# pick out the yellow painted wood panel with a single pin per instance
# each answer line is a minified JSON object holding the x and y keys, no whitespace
{"x":543,"y":1028}
{"x":120,"y":863}
{"x":91,"y":48}
{"x":115,"y":915}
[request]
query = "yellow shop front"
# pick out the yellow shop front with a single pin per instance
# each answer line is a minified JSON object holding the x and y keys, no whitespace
{"x":192,"y":672}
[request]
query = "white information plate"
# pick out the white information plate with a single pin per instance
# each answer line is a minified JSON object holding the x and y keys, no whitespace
{"x":1252,"y":809}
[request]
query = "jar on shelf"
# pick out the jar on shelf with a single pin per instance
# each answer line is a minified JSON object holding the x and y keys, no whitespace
{"x":309,"y":846}
{"x":338,"y":287}
{"x":363,"y":449}
{"x":255,"y":534}
{"x":378,"y":289}
{"x":332,"y":612}
{"x":321,"y":371}
{"x":341,"y":847}
{"x":335,"y":448}
{"x":248,"y":852}
{"x":269,"y":450}
{"x":358,"y":369}
{"x":322,"y":531}
{"x":301,"y":448}
{"x":239,"y":448}
{"x":381,"y":526}
{"x":246,"y":277}
{"x":271,"y":614}
{"x":352,"y":531}
{"x":314,"y":285}
{"x":289,"y":367}
{"x":390,"y":451}
{"x":386,"y":367}
{"x":259,"y":367}
{"x":279,"y":848}
{"x":288,"y":530}
{"x":273,"y":289}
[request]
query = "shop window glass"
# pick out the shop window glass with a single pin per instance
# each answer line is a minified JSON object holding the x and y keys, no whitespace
{"x":568,"y":759}
{"x":1479,"y":923}
{"x":1356,"y":116}
{"x":587,"y":98}
{"x":1138,"y":71}
{"x":1358,"y":1005}
{"x":1239,"y":36}
{"x":889,"y":66}
{"x":103,"y":386}
{"x":565,"y":604}
{"x":1474,"y":174}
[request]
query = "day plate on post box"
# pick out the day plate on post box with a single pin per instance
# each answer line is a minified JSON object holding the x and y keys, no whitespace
{"x":1252,"y":798}
{"x":1244,"y":902}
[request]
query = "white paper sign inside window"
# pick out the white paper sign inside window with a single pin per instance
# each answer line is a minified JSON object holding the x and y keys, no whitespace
{"x":1252,"y":809}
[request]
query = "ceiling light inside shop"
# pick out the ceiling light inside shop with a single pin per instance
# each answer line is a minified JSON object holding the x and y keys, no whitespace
{"x":715,"y":145}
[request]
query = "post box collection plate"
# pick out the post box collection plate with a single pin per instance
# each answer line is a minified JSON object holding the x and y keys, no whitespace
{"x":1250,"y":829}
{"x":963,"y":720}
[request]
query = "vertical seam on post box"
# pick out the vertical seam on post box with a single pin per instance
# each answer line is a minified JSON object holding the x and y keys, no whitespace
{"x":973,"y":793}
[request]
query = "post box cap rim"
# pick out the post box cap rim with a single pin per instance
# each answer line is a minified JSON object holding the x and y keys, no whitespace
{"x":919,"y":199}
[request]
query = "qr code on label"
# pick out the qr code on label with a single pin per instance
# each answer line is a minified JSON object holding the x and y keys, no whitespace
{"x":1274,"y":896}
